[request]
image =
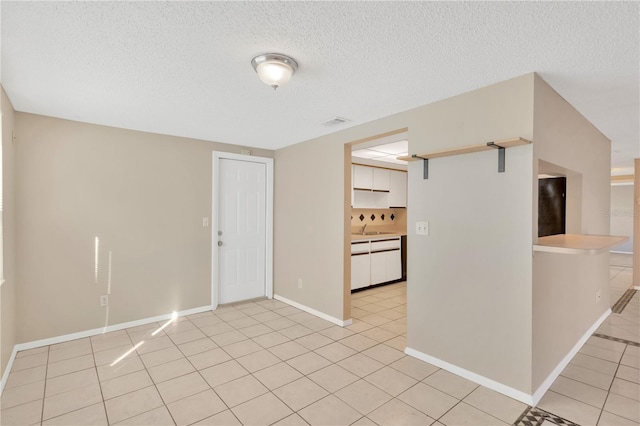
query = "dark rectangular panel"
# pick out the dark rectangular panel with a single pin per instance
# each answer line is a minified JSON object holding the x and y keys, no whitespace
{"x":552,"y":205}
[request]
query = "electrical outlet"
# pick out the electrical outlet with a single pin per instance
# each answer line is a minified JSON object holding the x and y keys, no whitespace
{"x":205,"y":222}
{"x":598,"y":296}
{"x":422,"y":228}
{"x":104,"y":300}
{"x":299,"y":282}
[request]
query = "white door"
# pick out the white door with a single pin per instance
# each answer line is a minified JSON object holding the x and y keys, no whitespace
{"x":242,"y":227}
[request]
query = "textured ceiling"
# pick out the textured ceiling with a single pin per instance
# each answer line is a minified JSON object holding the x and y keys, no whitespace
{"x":183,"y":68}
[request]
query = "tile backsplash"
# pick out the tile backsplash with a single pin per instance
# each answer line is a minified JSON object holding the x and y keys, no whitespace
{"x":390,"y":219}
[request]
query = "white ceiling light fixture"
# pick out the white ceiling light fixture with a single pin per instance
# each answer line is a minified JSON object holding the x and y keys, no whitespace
{"x":274,"y":69}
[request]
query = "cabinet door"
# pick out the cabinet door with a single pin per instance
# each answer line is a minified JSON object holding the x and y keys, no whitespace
{"x":393,"y":265}
{"x":360,"y":270}
{"x":378,"y":267}
{"x":362,"y":177}
{"x":397,"y":189}
{"x":380,"y":179}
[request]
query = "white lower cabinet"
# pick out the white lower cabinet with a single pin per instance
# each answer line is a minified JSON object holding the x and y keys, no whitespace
{"x":375,"y":263}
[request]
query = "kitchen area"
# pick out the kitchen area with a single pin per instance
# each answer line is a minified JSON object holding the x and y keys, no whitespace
{"x":378,"y":213}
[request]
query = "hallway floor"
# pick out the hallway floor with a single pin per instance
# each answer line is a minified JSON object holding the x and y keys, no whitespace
{"x":265,"y":362}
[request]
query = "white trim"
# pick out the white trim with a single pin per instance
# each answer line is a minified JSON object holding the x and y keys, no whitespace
{"x":336,"y":321}
{"x":268,"y":162}
{"x":93,"y":332}
{"x":507,"y":390}
{"x":620,"y":252}
{"x":470,"y":375}
{"x":636,"y":287}
{"x":542,"y":389}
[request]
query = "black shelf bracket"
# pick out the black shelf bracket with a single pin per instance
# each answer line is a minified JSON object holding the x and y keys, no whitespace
{"x":425,"y":166}
{"x":500,"y":155}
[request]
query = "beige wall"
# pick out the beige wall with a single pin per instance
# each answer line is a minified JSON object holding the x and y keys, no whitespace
{"x":621,"y":215}
{"x":564,"y":286}
{"x":8,"y":290}
{"x":143,"y":195}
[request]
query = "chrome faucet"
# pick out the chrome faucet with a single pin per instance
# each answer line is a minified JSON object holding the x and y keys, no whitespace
{"x":363,"y":228}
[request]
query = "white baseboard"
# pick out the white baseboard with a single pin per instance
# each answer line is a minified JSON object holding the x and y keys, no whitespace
{"x":542,"y":389}
{"x":636,"y":287}
{"x":507,"y":390}
{"x":470,"y":375}
{"x":336,"y":321}
{"x":620,"y":252}
{"x":89,"y":333}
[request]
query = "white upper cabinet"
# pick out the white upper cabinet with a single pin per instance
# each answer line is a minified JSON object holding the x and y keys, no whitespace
{"x":380,"y":179}
{"x":362,"y":177}
{"x":397,"y":188}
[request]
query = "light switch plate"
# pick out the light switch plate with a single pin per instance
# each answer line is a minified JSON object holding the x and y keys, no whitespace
{"x":205,"y":222}
{"x":422,"y":228}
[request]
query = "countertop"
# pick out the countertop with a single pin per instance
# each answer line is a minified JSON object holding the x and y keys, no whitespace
{"x":358,"y":237}
{"x":578,"y":244}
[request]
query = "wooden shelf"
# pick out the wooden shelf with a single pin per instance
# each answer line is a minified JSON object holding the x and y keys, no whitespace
{"x":505,"y":143}
{"x":577,"y":244}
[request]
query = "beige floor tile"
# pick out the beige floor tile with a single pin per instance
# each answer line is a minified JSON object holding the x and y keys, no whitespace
{"x":628,"y":373}
{"x":360,"y":364}
{"x":229,"y":337}
{"x":630,"y":360}
{"x":110,"y":355}
{"x":181,"y":325}
{"x":317,"y":324}
{"x":93,"y":415}
{"x":205,"y":321}
{"x":300,"y":393}
{"x":240,"y":390}
{"x":363,"y":396}
{"x":463,"y":414}
{"x":197,"y":346}
{"x":277,"y":375}
{"x":231,"y":315}
{"x":413,"y":367}
{"x":157,"y":417}
{"x":279,"y":324}
{"x":266,"y":316}
{"x":25,"y":414}
{"x":397,"y":413}
{"x":609,"y":419}
{"x":329,"y":411}
{"x":256,"y":330}
{"x":125,"y":384}
{"x":270,"y":339}
{"x":570,"y":409}
{"x":358,"y":342}
{"x":364,"y":421}
{"x":590,"y":377}
{"x":70,"y":401}
{"x":69,"y":352}
{"x":623,"y":407}
{"x":170,"y":370}
{"x":187,"y":336}
{"x":287,"y":311}
{"x":292,"y":420}
{"x":580,"y":391}
{"x":398,"y":342}
{"x":34,"y":351}
{"x":22,"y":394}
{"x":225,"y":418}
{"x":161,"y":357}
{"x":85,"y":342}
{"x":288,"y":350}
{"x":301,"y":317}
{"x":333,"y":377}
{"x":181,"y":387}
{"x":70,"y":365}
{"x":391,"y":381}
{"x":626,"y":389}
{"x":132,"y":404}
{"x":597,"y":364}
{"x":602,"y":353}
{"x":336,"y":333}
{"x":242,"y":348}
{"x":209,"y":358}
{"x":124,"y":367}
{"x":154,"y":345}
{"x":384,"y":354}
{"x":71,"y":381}
{"x":242,"y":323}
{"x":196,"y":407}
{"x":379,"y":334}
{"x":314,"y":341}
{"x":430,"y":401}
{"x":296,"y":331}
{"x":265,"y":409}
{"x":109,"y":342}
{"x":258,"y":360}
{"x":496,"y":404}
{"x":24,"y":377}
{"x":223,"y":373}
{"x":375,"y":319}
{"x":335,"y":352}
{"x":451,"y":384}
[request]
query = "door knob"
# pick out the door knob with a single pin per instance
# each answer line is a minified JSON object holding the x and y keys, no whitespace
{"x":219,"y":243}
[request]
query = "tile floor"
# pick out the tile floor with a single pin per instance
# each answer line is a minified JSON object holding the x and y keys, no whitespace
{"x":265,"y":362}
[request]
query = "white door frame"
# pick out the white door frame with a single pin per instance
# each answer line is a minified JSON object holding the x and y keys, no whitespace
{"x":268,"y":162}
